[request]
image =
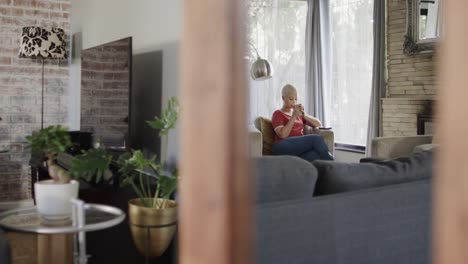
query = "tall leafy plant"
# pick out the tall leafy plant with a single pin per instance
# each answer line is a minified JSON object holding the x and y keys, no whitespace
{"x":168,"y":118}
{"x":147,"y":177}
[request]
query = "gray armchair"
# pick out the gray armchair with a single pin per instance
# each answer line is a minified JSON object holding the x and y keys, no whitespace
{"x":262,"y":135}
{"x":398,"y":146}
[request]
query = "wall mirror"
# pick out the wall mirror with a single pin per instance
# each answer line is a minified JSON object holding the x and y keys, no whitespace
{"x":105,"y":91}
{"x":423,"y":29}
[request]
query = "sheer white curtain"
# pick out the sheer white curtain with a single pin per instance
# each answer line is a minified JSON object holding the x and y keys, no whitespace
{"x":277,"y":29}
{"x":352,"y":64}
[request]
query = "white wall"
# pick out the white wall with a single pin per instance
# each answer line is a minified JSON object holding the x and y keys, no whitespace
{"x":152,"y":24}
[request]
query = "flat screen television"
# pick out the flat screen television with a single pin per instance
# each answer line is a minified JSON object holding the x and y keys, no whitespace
{"x":106,"y":80}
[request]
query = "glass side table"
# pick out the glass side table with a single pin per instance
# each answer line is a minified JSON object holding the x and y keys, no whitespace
{"x":85,"y":218}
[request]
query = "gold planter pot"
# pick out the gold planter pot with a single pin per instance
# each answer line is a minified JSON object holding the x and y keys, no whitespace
{"x":152,"y":229}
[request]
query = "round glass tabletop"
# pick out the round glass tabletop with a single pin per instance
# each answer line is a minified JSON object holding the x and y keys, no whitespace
{"x":97,"y":217}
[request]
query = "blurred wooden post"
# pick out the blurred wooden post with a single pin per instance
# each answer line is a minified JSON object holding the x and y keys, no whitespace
{"x":451,"y":181}
{"x":215,"y":216}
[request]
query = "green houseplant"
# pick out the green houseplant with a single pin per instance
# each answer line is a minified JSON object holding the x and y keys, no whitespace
{"x":154,"y":187}
{"x":46,"y":144}
{"x":53,"y":196}
{"x":92,"y":166}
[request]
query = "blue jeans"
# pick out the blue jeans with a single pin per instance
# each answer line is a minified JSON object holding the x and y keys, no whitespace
{"x":308,"y":147}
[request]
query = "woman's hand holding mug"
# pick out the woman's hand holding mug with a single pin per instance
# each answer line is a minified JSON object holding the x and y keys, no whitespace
{"x":298,"y":110}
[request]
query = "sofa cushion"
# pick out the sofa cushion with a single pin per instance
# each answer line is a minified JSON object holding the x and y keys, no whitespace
{"x":281,"y":178}
{"x":335,"y":177}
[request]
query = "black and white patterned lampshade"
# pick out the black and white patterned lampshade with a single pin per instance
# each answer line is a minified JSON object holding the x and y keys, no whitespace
{"x":37,"y":42}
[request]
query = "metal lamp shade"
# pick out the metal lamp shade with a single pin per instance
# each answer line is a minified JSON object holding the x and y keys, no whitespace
{"x":261,"y":70}
{"x":37,"y":42}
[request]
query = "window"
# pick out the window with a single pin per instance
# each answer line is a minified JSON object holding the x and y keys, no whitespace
{"x":352,"y":54}
{"x":276,"y":28}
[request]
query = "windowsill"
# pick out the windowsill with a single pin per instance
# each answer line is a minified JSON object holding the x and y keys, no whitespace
{"x":350,"y":148}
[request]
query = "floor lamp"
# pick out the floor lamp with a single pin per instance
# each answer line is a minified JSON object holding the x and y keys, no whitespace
{"x":42,"y":43}
{"x":261,"y":69}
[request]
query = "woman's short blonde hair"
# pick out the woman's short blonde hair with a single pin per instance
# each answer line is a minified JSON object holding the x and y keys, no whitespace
{"x":287,"y":89}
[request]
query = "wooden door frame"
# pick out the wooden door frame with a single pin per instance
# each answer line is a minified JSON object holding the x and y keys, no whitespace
{"x":216,"y":205}
{"x":450,"y":237}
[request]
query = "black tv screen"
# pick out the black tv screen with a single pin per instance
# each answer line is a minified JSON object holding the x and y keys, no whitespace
{"x":105,"y":92}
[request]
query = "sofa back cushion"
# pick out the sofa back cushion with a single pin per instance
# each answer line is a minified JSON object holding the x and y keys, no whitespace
{"x":281,"y":178}
{"x":335,"y":177}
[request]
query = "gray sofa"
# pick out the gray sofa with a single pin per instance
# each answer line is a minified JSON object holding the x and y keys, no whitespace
{"x":382,"y":220}
{"x":5,"y":257}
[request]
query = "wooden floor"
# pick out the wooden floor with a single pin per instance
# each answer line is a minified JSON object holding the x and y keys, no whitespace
{"x":23,"y":247}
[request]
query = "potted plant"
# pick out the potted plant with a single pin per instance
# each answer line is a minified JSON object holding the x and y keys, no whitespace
{"x":53,"y":196}
{"x":168,"y":119}
{"x":92,"y":166}
{"x":153,"y":214}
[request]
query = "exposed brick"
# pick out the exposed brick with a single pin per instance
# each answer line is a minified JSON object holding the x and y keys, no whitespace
{"x":17,"y":21}
{"x":10,"y":31}
{"x":65,"y":25}
{"x":20,"y":86}
{"x":20,"y":71}
{"x":37,"y":13}
{"x":49,"y":5}
{"x":16,"y":147}
{"x":60,"y":16}
{"x":5,"y":11}
{"x":6,"y":41}
{"x":4,"y":137}
{"x":56,"y":82}
{"x":4,"y":129}
{"x":406,"y":73}
{"x":5,"y":61}
{"x":115,"y":85}
{"x":56,"y":72}
{"x":65,"y":6}
{"x":112,"y":102}
{"x":26,"y":3}
{"x":17,"y":12}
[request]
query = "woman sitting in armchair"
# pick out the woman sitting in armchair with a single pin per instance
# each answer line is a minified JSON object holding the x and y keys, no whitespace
{"x":288,"y":123}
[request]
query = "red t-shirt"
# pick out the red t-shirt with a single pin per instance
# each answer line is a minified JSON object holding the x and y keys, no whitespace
{"x":280,"y":119}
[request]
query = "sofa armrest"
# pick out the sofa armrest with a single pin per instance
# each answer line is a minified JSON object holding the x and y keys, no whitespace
{"x":255,"y":141}
{"x":398,"y":146}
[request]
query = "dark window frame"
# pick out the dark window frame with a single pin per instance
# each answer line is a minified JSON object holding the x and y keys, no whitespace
{"x":350,"y":148}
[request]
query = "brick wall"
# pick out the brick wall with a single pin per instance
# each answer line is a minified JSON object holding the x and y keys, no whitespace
{"x":105,"y":91}
{"x":411,"y":79}
{"x":20,"y":89}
